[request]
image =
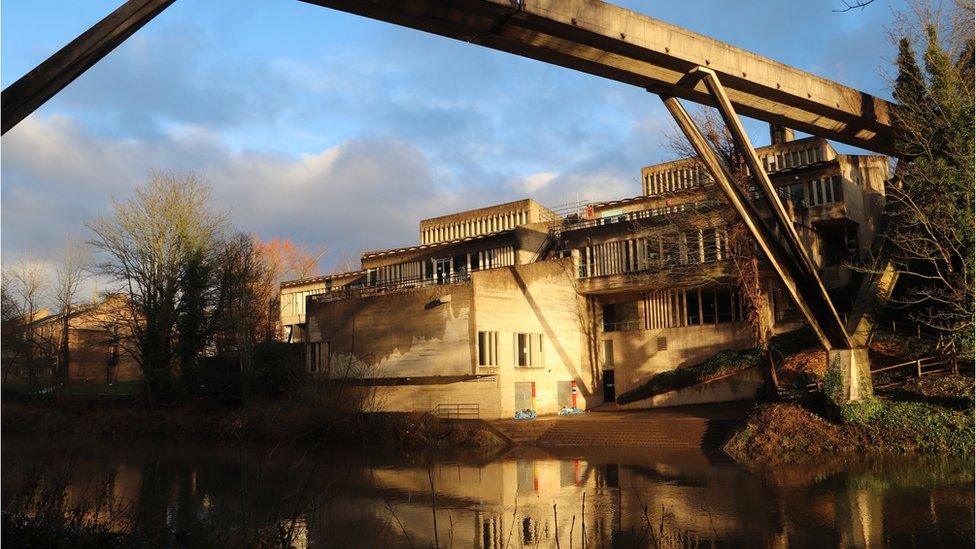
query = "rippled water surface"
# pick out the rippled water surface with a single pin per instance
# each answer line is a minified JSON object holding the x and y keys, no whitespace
{"x":329,"y":497}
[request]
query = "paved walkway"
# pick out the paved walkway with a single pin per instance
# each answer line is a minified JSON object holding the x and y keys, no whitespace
{"x":702,"y":426}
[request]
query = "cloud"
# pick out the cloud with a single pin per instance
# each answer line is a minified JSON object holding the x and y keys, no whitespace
{"x":533,"y":183}
{"x":366,"y":193}
{"x":362,"y":193}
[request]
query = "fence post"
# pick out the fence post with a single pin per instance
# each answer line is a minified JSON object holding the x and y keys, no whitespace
{"x":918,"y":366}
{"x":951,"y":347}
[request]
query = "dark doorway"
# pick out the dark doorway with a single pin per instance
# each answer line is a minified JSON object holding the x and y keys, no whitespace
{"x":609,"y":389}
{"x":442,"y":270}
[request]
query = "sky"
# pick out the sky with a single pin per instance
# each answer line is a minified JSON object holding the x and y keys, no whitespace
{"x":341,"y":132}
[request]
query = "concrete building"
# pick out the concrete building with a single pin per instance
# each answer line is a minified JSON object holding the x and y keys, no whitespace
{"x":514,"y":307}
{"x":294,"y":294}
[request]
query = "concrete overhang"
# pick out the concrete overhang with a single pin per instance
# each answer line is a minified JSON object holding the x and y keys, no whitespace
{"x":622,"y":45}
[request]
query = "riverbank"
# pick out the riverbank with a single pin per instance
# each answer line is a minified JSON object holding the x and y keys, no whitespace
{"x":926,"y":416}
{"x":263,"y":422}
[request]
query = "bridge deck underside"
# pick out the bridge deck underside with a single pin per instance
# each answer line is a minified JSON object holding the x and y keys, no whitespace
{"x":625,"y":46}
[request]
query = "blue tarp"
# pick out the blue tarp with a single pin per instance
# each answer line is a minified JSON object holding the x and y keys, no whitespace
{"x":525,"y":414}
{"x":566,"y":411}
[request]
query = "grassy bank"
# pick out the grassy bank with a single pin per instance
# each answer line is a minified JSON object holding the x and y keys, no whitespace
{"x":261,"y":422}
{"x":930,"y":416}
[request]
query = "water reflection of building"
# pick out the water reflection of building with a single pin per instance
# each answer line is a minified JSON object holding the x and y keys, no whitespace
{"x":513,"y":500}
{"x":337,"y":501}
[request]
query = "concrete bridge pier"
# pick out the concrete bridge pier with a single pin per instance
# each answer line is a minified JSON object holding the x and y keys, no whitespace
{"x":848,"y":377}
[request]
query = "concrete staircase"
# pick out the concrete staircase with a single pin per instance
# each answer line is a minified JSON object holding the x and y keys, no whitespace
{"x":686,"y":427}
{"x":647,"y":430}
{"x":524,"y":432}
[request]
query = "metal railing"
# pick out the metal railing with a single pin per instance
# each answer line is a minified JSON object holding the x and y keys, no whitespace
{"x":920,"y":367}
{"x":469,"y":410}
{"x":376,"y":288}
{"x":702,"y":206}
{"x":625,"y":326}
{"x":923,"y":366}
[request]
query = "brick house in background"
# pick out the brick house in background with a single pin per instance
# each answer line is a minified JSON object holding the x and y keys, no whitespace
{"x":94,"y":352}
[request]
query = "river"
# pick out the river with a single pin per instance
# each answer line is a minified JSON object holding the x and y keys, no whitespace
{"x":526,"y":497}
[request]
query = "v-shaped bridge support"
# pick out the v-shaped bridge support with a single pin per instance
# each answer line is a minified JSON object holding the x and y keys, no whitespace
{"x":780,"y":242}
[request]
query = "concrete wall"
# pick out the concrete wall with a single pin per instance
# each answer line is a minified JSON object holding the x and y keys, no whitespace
{"x":637,"y":358}
{"x":420,"y":332}
{"x":483,"y":391}
{"x":539,"y":298}
{"x":432,"y":332}
{"x":739,"y":386}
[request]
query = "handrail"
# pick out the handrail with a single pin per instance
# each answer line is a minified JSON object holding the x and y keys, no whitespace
{"x":920,"y":365}
{"x":705,"y":205}
{"x":360,"y":290}
{"x":624,"y":326}
{"x":468,"y":410}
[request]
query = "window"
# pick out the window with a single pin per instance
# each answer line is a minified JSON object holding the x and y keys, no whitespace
{"x":835,"y":186}
{"x":652,"y":250}
{"x":460,"y":263}
{"x":317,"y":356}
{"x":723,"y":304}
{"x":692,"y":308}
{"x":825,"y":190}
{"x":487,"y":348}
{"x":796,"y":193}
{"x":528,"y":350}
{"x":619,"y":317}
{"x":712,"y":244}
{"x":608,"y":353}
{"x":693,"y":247}
{"x":708,"y":306}
{"x":442,"y":270}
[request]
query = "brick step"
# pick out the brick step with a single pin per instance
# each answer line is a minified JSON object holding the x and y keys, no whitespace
{"x":667,"y":429}
{"x":657,"y":432}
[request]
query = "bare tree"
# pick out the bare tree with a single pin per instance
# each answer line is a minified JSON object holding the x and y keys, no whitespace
{"x":854,"y":5}
{"x":741,"y":249}
{"x":740,"y":246}
{"x":70,"y":272}
{"x":155,"y":245}
{"x":29,"y":284}
{"x":286,"y":260}
{"x":347,"y":262}
{"x":14,"y":323}
{"x":246,"y":277}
